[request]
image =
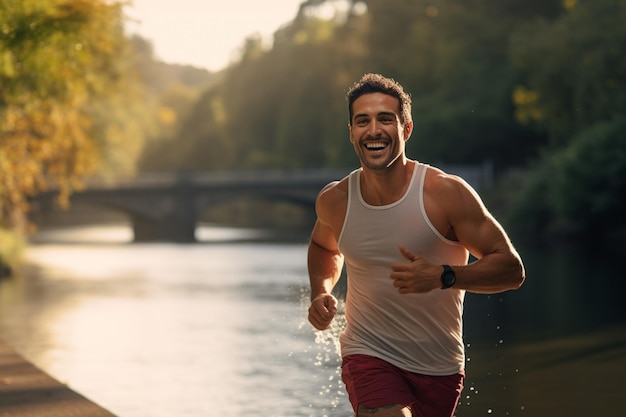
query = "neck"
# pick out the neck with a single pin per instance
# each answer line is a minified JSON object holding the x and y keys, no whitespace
{"x":386,"y":186}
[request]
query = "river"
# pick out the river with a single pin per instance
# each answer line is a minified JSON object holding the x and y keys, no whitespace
{"x":219,"y":328}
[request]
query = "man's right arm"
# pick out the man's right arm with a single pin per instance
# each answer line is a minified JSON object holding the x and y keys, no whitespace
{"x":325,"y":263}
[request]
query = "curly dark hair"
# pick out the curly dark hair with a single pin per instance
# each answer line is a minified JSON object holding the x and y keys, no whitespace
{"x":376,"y":83}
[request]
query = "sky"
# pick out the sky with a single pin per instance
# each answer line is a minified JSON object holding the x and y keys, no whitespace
{"x":205,"y":33}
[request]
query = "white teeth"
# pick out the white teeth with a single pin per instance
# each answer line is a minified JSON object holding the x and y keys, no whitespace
{"x":375,"y":145}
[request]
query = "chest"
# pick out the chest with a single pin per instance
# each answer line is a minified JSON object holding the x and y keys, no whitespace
{"x":373,"y":234}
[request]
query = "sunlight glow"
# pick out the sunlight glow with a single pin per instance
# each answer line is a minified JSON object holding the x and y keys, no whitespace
{"x":100,"y":234}
{"x":206,"y":33}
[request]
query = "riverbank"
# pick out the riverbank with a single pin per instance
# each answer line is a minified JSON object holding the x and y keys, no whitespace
{"x":27,"y":391}
{"x":573,"y":376}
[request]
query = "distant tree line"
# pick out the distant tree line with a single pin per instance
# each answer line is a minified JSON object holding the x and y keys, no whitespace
{"x":537,"y":87}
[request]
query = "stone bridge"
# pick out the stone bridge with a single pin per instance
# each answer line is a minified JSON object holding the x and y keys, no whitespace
{"x":165,"y":206}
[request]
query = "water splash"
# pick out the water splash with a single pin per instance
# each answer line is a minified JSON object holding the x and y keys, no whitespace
{"x":327,"y":357}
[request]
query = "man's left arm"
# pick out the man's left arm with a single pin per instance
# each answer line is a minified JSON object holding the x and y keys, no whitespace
{"x":498,"y":266}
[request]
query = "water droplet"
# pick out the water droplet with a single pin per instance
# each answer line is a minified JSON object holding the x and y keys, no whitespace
{"x":489,"y":411}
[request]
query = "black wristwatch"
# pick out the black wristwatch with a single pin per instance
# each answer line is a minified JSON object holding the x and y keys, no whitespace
{"x":448,"y":277}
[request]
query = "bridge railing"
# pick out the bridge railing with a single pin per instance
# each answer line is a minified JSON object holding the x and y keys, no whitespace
{"x":164,"y":179}
{"x":479,"y":176}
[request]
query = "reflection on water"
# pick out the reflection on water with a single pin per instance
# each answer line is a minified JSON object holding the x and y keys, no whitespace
{"x":219,"y":329}
{"x":168,"y":330}
{"x":122,"y":233}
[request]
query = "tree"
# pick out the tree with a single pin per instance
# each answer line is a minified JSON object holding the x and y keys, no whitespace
{"x":577,"y":191}
{"x":65,"y":98}
{"x":575,"y":89}
{"x":574,"y":69}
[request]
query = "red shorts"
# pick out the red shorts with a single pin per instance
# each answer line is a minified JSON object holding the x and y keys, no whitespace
{"x":375,"y":383}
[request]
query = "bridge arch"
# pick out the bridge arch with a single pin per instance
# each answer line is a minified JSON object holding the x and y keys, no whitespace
{"x":168,"y":208}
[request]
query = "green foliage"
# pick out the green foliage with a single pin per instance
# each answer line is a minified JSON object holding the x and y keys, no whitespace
{"x":66,"y":98}
{"x":575,"y":87}
{"x":579,"y":190}
{"x":453,"y":57}
{"x":574,"y":68}
{"x":285,"y":107}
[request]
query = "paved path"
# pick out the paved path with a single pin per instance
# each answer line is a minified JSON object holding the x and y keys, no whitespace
{"x":27,"y":391}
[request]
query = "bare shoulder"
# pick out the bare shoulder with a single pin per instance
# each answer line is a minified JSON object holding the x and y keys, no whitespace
{"x":450,"y":201}
{"x":332,"y":197}
{"x":445,"y":182}
{"x":331,"y":205}
{"x":449,"y":189}
{"x":334,"y":189}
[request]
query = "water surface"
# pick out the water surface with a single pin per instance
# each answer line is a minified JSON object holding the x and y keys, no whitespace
{"x":161,"y":330}
{"x":219,"y":328}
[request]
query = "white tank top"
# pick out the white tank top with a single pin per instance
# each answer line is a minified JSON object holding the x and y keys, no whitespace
{"x":419,"y":333}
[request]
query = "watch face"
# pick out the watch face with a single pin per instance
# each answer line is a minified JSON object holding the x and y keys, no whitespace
{"x":448,"y":278}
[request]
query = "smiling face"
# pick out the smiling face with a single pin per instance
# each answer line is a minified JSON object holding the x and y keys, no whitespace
{"x":376,"y":130}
